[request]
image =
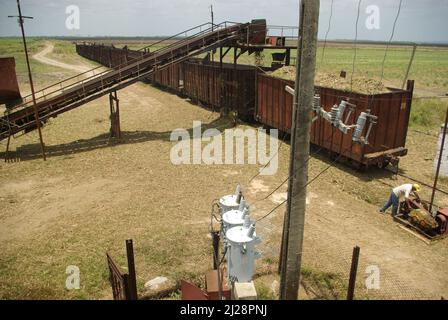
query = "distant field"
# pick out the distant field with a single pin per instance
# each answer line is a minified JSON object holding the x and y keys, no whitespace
{"x":429,"y":68}
{"x":43,"y":74}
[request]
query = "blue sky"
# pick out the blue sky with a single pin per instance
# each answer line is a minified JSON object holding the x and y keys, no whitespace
{"x":419,"y":21}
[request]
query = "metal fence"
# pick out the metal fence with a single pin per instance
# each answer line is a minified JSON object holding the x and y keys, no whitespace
{"x":326,"y":265}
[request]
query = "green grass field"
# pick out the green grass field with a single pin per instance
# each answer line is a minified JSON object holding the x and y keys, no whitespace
{"x":43,"y":74}
{"x":429,"y":69}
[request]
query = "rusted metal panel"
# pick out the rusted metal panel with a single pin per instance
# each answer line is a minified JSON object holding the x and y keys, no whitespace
{"x":168,"y":77}
{"x":108,"y":56}
{"x":276,"y":41}
{"x":388,"y":136}
{"x":231,"y":87}
{"x":191,"y":292}
{"x":274,"y":104}
{"x":9,"y":88}
{"x":117,"y":279}
{"x":258,"y":31}
{"x":123,"y":284}
{"x":212,"y":285}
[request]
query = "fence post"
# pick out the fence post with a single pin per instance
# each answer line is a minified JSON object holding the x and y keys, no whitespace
{"x":353,"y":272}
{"x":132,"y":285}
{"x":215,"y":239}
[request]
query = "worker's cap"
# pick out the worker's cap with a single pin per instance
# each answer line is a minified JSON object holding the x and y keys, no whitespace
{"x":416,"y":187}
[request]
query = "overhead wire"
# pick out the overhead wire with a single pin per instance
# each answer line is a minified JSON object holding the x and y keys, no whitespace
{"x":390,"y":39}
{"x":355,"y":45}
{"x":307,"y":184}
{"x":328,"y":31}
{"x":272,"y":158}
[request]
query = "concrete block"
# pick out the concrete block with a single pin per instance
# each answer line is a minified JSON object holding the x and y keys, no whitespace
{"x":244,"y":291}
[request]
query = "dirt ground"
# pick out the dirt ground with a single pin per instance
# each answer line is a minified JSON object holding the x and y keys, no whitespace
{"x":93,"y":193}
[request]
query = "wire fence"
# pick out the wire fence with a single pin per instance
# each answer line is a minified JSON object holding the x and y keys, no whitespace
{"x":326,"y":264}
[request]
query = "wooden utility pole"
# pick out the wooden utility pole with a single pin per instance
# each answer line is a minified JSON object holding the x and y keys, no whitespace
{"x":414,"y":48}
{"x":303,"y":101}
{"x":439,"y":162}
{"x":36,"y":113}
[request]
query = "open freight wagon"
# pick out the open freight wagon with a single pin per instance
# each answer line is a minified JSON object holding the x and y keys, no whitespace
{"x":260,"y":97}
{"x":209,"y":83}
{"x":215,"y":86}
{"x":107,"y":55}
{"x":387,"y":139}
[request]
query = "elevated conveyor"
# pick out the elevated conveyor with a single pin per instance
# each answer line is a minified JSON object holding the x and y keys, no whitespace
{"x":93,"y":84}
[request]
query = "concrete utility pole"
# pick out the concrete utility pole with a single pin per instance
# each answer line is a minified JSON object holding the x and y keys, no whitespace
{"x":36,"y":113}
{"x":285,"y":234}
{"x":303,"y":102}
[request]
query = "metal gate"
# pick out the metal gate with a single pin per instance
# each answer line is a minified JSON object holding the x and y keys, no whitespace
{"x":124,"y":286}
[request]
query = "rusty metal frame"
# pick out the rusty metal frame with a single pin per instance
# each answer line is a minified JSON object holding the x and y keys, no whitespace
{"x":123,"y":284}
{"x":353,"y":273}
{"x":114,"y":106}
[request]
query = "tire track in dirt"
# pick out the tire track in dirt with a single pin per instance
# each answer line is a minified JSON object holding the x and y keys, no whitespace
{"x":42,"y":57}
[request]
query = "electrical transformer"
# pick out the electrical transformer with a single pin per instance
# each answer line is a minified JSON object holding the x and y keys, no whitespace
{"x":231,"y":201}
{"x":241,"y":254}
{"x":234,"y":218}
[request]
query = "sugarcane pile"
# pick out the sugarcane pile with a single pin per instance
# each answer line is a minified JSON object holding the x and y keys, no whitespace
{"x":360,"y":84}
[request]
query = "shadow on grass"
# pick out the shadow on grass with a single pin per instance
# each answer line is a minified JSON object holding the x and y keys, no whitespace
{"x":33,"y":151}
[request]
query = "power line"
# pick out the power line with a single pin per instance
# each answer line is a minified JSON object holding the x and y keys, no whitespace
{"x":307,"y":184}
{"x":355,"y":47}
{"x":328,"y":30}
{"x":286,"y":180}
{"x":318,"y":175}
{"x":390,"y":39}
{"x":275,"y":154}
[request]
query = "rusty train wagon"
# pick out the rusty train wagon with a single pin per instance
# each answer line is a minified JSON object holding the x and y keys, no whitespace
{"x":387,"y":139}
{"x":231,"y":86}
{"x":205,"y":82}
{"x":170,"y":78}
{"x":108,"y":56}
{"x":261,"y":97}
{"x":9,"y":88}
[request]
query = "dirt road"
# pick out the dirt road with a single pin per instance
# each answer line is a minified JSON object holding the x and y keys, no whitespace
{"x":42,"y":57}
